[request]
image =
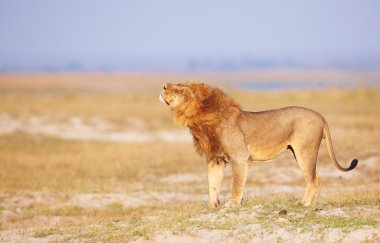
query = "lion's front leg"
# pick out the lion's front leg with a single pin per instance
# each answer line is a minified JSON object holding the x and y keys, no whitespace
{"x":237,"y":153}
{"x":239,"y":176}
{"x":215,"y":173}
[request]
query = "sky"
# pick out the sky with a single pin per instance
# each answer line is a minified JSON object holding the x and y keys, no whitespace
{"x":98,"y":34}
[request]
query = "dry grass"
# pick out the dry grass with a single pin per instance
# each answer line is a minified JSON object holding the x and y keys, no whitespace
{"x":60,"y":190}
{"x":35,"y":163}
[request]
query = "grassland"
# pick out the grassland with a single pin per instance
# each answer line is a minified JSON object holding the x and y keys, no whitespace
{"x":55,"y":189}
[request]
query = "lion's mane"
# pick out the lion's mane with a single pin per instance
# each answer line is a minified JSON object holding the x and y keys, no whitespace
{"x":202,"y":114}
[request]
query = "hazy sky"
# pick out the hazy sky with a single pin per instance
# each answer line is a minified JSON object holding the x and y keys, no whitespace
{"x":43,"y":32}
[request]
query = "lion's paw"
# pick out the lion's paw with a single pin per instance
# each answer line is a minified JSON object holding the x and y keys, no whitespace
{"x":231,"y":204}
{"x":303,"y":203}
{"x":213,"y":206}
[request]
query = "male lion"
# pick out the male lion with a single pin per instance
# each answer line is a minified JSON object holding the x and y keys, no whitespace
{"x":223,"y":132}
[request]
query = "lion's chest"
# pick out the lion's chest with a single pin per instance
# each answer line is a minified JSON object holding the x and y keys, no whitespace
{"x":206,"y":141}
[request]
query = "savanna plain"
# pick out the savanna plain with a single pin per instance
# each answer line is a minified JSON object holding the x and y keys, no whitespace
{"x":97,"y":157}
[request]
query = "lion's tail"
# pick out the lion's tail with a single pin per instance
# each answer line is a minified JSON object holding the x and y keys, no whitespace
{"x":327,"y":137}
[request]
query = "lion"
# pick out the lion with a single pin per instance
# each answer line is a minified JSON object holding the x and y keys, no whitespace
{"x":224,"y":133}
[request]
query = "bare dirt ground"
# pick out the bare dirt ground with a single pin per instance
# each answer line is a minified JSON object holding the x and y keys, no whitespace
{"x":84,"y":162}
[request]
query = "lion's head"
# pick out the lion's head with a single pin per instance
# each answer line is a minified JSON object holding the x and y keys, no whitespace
{"x":177,"y":94}
{"x":201,"y":108}
{"x":186,"y":100}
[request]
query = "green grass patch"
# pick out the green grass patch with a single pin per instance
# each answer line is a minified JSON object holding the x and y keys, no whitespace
{"x":42,"y":233}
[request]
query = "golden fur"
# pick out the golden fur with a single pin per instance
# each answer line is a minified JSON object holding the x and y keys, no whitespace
{"x":223,"y":132}
{"x":202,"y":115}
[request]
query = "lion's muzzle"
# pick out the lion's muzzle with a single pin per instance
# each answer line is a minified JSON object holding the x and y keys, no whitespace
{"x":161,"y":98}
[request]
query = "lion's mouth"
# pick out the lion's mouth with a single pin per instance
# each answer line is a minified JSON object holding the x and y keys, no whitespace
{"x":161,"y":98}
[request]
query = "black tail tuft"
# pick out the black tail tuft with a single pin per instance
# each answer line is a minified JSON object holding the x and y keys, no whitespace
{"x":354,"y":163}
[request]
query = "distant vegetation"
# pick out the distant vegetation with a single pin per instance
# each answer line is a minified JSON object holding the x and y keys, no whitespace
{"x":190,"y":64}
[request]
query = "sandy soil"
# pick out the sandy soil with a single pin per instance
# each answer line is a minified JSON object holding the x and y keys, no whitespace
{"x":246,"y":228}
{"x":75,"y":128}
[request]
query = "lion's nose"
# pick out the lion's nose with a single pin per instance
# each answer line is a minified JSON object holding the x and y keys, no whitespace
{"x":164,"y":87}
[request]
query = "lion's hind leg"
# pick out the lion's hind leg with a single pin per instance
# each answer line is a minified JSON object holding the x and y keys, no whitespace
{"x":307,"y":160}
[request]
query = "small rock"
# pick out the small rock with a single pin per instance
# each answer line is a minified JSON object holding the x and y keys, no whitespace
{"x":283,"y":212}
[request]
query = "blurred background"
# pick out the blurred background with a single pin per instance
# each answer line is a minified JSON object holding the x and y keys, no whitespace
{"x":83,"y":137}
{"x":194,"y":36}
